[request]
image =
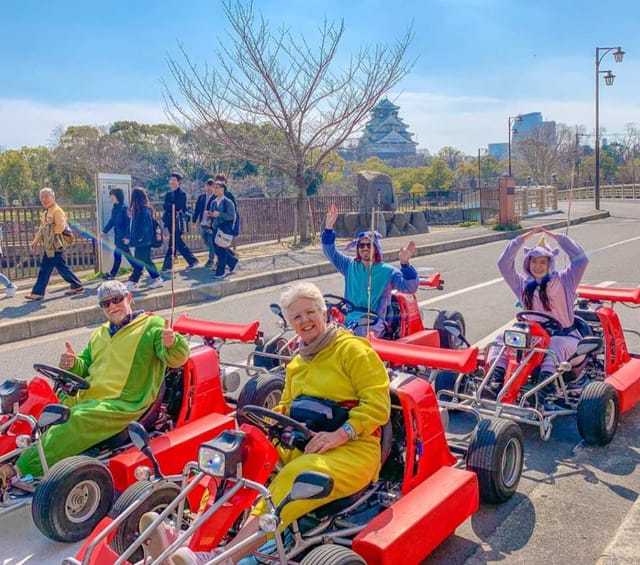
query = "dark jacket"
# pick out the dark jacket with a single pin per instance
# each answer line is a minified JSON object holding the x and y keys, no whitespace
{"x":142,"y":229}
{"x":236,"y":222}
{"x":120,"y":222}
{"x":227,"y":215}
{"x":200,"y":207}
{"x":177,"y":197}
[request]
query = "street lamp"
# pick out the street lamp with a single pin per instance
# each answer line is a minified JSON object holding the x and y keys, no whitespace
{"x":618,"y":54}
{"x":512,"y":119}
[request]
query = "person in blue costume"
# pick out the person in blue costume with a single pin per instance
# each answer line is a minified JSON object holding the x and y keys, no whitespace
{"x":368,"y":265}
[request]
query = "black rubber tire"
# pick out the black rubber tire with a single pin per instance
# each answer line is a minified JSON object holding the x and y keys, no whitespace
{"x":272,"y":348}
{"x":264,"y":390}
{"x":331,"y":554}
{"x":598,"y":413}
{"x":128,"y":531}
{"x":447,"y":341}
{"x":496,"y":455}
{"x":444,"y":380}
{"x":66,"y":483}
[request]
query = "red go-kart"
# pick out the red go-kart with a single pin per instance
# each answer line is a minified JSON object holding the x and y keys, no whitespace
{"x":596,"y":385}
{"x":424,"y":492}
{"x":76,"y":493}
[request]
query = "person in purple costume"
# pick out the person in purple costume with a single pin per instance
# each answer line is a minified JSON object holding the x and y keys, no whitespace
{"x":543,"y":289}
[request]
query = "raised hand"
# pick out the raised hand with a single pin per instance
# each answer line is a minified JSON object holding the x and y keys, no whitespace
{"x":168,"y":337}
{"x":332,"y":217}
{"x":406,"y":253}
{"x":68,"y":358}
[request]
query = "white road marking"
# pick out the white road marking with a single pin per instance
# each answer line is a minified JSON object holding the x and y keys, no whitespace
{"x":461,"y":291}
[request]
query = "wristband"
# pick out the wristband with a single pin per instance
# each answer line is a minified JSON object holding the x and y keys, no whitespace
{"x":347,"y":427}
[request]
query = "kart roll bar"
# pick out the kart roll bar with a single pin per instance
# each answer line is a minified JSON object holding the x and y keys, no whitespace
{"x":459,"y":360}
{"x":212,"y":329}
{"x":609,"y":294}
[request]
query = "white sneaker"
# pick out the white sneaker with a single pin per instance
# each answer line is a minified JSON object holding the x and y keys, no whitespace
{"x":11,"y":291}
{"x":156,"y":283}
{"x":131,"y":286}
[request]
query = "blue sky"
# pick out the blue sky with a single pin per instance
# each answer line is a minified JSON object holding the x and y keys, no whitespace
{"x":77,"y":62}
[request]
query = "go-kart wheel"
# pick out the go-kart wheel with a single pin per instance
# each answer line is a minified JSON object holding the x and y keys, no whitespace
{"x":332,"y":554}
{"x":61,"y":377}
{"x":289,"y":432}
{"x":548,"y":322}
{"x":72,"y":497}
{"x":496,"y":455}
{"x":447,"y":340}
{"x":128,"y":532}
{"x":272,"y":348}
{"x":598,"y":413}
{"x":264,"y":390}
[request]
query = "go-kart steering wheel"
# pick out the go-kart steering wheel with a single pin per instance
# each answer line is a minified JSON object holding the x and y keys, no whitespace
{"x":66,"y":380}
{"x":289,"y":432}
{"x":342,"y":304}
{"x":549,"y":323}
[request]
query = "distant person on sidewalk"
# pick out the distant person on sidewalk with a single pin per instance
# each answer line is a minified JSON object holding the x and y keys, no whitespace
{"x":368,"y":266}
{"x":142,"y":235}
{"x":11,"y":288}
{"x":120,"y":222}
{"x":53,"y":225}
{"x":175,"y":208}
{"x":201,"y":218}
{"x":222,"y":215}
{"x":232,"y":262}
{"x":124,"y":362}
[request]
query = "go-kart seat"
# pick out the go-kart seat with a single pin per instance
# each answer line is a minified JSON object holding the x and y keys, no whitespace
{"x":337,"y":506}
{"x":147,"y":420}
{"x":582,"y":326}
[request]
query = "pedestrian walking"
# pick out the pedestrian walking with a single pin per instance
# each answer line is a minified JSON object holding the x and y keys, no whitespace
{"x":222,"y":216}
{"x":232,"y":257}
{"x":54,"y":235}
{"x":142,"y":235}
{"x":120,"y":222}
{"x":201,"y":218}
{"x":11,"y":288}
{"x":175,"y":209}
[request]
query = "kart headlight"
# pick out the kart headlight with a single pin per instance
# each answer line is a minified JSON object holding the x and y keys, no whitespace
{"x":23,"y":440}
{"x":142,"y":473}
{"x":268,"y":522}
{"x":516,"y":338}
{"x":220,"y":457}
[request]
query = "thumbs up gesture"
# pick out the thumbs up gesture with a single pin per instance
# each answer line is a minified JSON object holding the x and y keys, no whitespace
{"x":68,"y":358}
{"x":168,"y":337}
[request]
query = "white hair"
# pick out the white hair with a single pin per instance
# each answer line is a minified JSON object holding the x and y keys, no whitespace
{"x":298,"y":291}
{"x":47,"y":190}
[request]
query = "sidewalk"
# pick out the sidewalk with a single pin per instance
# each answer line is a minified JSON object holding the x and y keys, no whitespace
{"x":260,"y":266}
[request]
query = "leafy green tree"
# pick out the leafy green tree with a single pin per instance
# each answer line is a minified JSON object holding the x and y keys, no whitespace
{"x":451,"y":156}
{"x":15,"y":177}
{"x":439,"y":176}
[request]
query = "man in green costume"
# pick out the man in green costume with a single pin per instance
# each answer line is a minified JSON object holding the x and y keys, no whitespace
{"x":124,"y":362}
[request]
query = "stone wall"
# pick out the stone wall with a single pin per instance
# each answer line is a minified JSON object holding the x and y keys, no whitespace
{"x":388,"y":224}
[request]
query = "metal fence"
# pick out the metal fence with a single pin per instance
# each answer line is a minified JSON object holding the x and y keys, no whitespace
{"x":261,"y":220}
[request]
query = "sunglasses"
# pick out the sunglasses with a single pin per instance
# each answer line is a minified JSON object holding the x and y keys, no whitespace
{"x":109,"y":301}
{"x":364,"y":246}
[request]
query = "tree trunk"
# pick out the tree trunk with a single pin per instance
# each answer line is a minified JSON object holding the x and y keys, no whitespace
{"x":302,"y":208}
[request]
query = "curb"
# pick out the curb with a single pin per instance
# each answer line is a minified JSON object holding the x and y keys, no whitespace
{"x":44,"y":325}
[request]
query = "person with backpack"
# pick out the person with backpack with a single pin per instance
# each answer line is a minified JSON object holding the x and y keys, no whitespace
{"x":232,"y":258}
{"x":120,"y":223}
{"x":11,"y":288}
{"x":142,"y":237}
{"x":175,"y":207}
{"x":201,"y":217}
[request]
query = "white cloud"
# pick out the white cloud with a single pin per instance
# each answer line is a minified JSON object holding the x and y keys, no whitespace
{"x":31,"y":123}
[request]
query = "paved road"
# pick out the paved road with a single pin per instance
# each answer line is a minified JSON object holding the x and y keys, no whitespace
{"x":571,"y":499}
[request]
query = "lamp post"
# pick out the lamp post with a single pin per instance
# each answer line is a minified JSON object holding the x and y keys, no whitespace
{"x":609,"y":77}
{"x":512,"y":119}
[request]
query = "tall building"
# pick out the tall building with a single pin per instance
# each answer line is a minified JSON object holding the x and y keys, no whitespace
{"x":386,"y":136}
{"x":530,"y":125}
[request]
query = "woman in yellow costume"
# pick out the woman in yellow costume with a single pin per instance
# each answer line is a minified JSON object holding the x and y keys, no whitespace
{"x":332,"y":368}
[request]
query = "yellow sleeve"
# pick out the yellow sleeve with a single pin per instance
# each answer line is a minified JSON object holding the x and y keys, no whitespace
{"x":59,"y":220}
{"x":371,"y":382}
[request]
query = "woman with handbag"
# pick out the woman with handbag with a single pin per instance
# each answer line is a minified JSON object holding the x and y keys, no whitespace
{"x":222,"y":213}
{"x":54,"y":239}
